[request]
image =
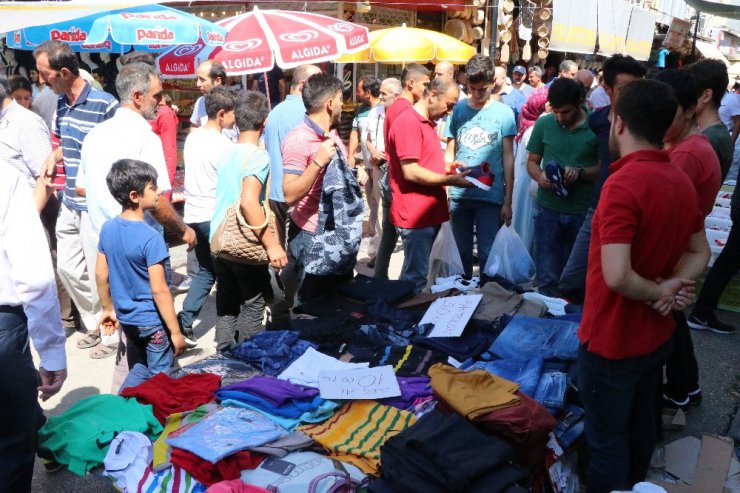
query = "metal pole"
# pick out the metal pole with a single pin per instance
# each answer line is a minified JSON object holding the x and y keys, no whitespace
{"x":493,"y":24}
{"x":696,"y":28}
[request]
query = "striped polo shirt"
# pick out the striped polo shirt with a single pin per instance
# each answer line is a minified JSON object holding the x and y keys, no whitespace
{"x":72,"y":125}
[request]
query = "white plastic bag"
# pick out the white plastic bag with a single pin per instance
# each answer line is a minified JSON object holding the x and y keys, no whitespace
{"x":509,"y":257}
{"x":444,"y":260}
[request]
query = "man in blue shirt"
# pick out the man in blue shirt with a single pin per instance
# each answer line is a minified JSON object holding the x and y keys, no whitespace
{"x":510,"y":96}
{"x":280,"y":121}
{"x":79,"y":109}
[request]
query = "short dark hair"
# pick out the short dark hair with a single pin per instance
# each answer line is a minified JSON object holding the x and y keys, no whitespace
{"x":565,"y":91}
{"x":647,"y":108}
{"x":220,"y":98}
{"x":440,"y":85}
{"x":16,"y":82}
{"x":412,"y":71}
{"x":251,"y":110}
{"x":4,"y":87}
{"x":217,"y":71}
{"x":372,"y":84}
{"x":137,"y":57}
{"x":620,"y":64}
{"x":710,"y":74}
{"x":60,"y":56}
{"x":127,"y":175}
{"x":479,"y":69}
{"x":318,"y":89}
{"x":99,"y":72}
{"x":683,"y":86}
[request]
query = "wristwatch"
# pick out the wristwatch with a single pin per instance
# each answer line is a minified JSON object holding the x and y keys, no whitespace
{"x":581,"y":172}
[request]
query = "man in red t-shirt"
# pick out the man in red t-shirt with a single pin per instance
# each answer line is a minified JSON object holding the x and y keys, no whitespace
{"x":418,"y":177}
{"x":647,"y":247}
{"x":693,"y":153}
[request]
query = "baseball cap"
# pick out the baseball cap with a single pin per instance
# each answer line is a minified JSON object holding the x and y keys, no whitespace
{"x":520,"y":70}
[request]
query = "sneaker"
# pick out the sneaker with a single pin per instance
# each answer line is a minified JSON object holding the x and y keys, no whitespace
{"x":183,"y":286}
{"x":190,"y":339}
{"x":684,"y":405}
{"x":695,"y":398}
{"x":709,"y":322}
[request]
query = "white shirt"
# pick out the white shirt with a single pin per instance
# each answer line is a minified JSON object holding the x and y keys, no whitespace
{"x":375,"y":124}
{"x":25,"y":142}
{"x":200,"y":118}
{"x":526,"y":89}
{"x":204,"y":147}
{"x":730,"y":108}
{"x":599,"y":98}
{"x":127,"y":135}
{"x":45,"y":104}
{"x":26,"y":273}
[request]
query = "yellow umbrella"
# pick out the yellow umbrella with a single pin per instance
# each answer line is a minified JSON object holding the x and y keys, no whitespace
{"x":408,"y":44}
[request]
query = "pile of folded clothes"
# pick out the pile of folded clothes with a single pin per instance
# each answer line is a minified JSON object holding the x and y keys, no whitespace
{"x":478,"y":412}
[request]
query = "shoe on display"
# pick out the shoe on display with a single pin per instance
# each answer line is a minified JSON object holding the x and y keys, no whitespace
{"x":709,"y":322}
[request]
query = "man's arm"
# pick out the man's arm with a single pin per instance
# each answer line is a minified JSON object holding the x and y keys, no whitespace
{"x":166,"y":305}
{"x":172,"y":222}
{"x":506,"y":210}
{"x":735,"y":128}
{"x":415,"y":173}
{"x":49,"y":168}
{"x":535,"y":172}
{"x":252,"y":210}
{"x":295,"y":187}
{"x":108,"y":318}
{"x":450,"y":151}
{"x":354,"y":141}
{"x":696,"y":257}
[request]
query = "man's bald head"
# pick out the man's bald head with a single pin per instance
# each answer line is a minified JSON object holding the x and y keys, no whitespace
{"x":300,"y":74}
{"x":499,"y":78}
{"x":585,"y":77}
{"x":444,"y":69}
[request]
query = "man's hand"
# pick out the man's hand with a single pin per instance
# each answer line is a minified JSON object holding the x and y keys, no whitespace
{"x":543,"y":182}
{"x":51,"y":382}
{"x":570,"y":175}
{"x":362,"y":176}
{"x":376,"y":154}
{"x":327,"y":151}
{"x":277,"y":256}
{"x":108,"y":322}
{"x":189,"y":237}
{"x":458,"y":179}
{"x":676,"y":294}
{"x":506,"y":214}
{"x":178,"y":343}
{"x":49,"y":170}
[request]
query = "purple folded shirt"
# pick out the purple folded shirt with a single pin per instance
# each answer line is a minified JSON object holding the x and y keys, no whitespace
{"x":274,"y":390}
{"x":412,"y":388}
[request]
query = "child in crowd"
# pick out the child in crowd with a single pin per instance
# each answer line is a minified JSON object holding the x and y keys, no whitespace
{"x":130,"y":270}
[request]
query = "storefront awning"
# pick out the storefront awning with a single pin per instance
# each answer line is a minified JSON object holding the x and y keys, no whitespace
{"x":425,"y":5}
{"x":727,"y":10}
{"x":708,"y":50}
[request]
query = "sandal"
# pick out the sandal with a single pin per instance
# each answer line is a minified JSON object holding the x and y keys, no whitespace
{"x":89,"y":340}
{"x":103,"y":351}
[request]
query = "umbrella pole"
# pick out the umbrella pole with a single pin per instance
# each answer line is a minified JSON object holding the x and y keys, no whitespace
{"x":267,"y":91}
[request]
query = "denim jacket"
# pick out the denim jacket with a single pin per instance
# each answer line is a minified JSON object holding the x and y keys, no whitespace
{"x":336,"y":242}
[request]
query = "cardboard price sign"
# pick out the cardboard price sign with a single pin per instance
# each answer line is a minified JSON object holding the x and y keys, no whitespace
{"x":366,"y":383}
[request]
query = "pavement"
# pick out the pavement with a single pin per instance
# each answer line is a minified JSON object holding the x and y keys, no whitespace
{"x":718,"y":356}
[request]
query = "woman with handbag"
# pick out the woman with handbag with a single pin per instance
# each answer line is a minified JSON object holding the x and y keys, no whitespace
{"x":244,"y":245}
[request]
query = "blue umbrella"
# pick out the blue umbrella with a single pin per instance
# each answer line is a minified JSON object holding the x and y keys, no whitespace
{"x":148,"y":28}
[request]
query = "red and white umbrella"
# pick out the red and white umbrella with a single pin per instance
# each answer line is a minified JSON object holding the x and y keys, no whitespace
{"x":257,"y":40}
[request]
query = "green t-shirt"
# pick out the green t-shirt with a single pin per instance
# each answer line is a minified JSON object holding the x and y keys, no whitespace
{"x":721,"y":142}
{"x":576,"y":148}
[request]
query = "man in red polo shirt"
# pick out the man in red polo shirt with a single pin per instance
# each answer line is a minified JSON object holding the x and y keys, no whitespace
{"x":417,"y":176}
{"x":647,"y":247}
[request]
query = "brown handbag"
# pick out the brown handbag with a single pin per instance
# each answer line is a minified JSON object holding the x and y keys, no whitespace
{"x":235,"y":239}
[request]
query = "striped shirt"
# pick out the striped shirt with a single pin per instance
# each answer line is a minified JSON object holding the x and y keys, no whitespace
{"x":73,"y":123}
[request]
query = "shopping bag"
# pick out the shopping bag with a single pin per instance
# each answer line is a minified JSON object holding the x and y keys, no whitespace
{"x":509,"y":257}
{"x":444,"y":261}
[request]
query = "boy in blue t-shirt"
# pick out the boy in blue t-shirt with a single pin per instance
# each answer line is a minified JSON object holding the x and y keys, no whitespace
{"x":130,"y":270}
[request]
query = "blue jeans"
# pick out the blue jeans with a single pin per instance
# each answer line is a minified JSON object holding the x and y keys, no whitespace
{"x":202,"y":281}
{"x":417,"y":246}
{"x":468,"y":217}
{"x":529,"y":336}
{"x":551,"y":390}
{"x":148,"y":352}
{"x":20,"y":413}
{"x":524,"y":371}
{"x":619,"y":399}
{"x":555,"y":234}
{"x":388,"y":239}
{"x":573,"y":278}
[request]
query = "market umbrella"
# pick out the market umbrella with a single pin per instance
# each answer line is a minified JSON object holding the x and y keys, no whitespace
{"x":147,"y":27}
{"x":408,"y":45}
{"x":257,"y":40}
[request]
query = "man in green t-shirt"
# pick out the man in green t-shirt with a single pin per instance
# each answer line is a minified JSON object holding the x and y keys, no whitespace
{"x":561,"y":140}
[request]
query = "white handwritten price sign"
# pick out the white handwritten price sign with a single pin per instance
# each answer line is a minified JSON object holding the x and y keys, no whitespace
{"x":365,"y":383}
{"x":450,"y":315}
